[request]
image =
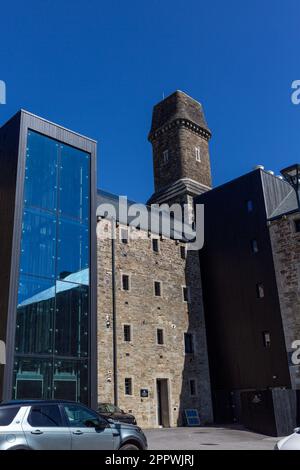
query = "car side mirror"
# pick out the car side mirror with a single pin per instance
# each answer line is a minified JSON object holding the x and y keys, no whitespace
{"x":101,"y":425}
{"x":297,"y":430}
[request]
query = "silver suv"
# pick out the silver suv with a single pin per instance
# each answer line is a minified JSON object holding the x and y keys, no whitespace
{"x":63,"y":425}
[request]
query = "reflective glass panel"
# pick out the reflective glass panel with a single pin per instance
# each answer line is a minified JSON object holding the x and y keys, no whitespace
{"x":73,"y":250}
{"x":71,"y":319}
{"x":38,"y":244}
{"x":70,"y":380}
{"x":41,"y":172}
{"x":35,"y":314}
{"x":74,"y":191}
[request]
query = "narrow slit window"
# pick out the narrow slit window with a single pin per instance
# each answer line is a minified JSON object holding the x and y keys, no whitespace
{"x":125,"y":282}
{"x":157,"y":289}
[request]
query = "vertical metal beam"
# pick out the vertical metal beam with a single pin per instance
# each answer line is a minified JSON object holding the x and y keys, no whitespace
{"x":114,"y":313}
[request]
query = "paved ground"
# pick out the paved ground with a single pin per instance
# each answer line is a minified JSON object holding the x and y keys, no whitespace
{"x":212,"y":438}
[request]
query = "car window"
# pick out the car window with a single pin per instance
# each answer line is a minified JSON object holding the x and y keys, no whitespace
{"x":79,"y":416}
{"x":7,"y":415}
{"x":45,"y":416}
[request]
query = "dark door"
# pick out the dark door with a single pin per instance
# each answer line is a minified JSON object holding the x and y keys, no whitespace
{"x":163,"y":402}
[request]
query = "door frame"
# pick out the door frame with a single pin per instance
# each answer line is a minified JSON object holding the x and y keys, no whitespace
{"x":159,"y":377}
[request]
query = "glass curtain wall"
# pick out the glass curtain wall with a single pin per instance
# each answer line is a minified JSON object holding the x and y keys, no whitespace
{"x":52,"y":337}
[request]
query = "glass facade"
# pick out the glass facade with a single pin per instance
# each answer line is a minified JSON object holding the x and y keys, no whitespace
{"x":52,"y":329}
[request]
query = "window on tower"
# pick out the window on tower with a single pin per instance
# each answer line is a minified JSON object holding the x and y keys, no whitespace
{"x":165,"y":156}
{"x":198,"y":154}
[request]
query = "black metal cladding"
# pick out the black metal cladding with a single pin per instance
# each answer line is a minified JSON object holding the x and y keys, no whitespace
{"x":235,"y":317}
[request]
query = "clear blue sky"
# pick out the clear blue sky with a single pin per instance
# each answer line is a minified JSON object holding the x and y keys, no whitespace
{"x":98,"y":68}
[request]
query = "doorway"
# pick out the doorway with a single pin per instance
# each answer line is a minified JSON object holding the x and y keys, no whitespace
{"x":163,"y":412}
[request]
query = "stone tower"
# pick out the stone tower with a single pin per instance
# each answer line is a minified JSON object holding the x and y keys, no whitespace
{"x":179,"y":136}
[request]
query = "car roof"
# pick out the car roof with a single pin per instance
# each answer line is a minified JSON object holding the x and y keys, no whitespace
{"x":37,"y":402}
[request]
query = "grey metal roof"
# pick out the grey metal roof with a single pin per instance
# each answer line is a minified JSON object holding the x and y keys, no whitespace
{"x":288,"y":205}
{"x":104,"y":197}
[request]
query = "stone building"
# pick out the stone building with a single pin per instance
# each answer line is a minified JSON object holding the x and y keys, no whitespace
{"x":285,"y":238}
{"x":155,"y":362}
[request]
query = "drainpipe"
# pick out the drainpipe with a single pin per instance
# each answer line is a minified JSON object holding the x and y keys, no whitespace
{"x":114,"y":313}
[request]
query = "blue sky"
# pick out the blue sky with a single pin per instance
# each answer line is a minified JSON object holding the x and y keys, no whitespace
{"x":98,"y":68}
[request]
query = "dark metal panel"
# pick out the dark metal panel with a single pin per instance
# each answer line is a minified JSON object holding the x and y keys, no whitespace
{"x":9,"y":143}
{"x":235,"y":317}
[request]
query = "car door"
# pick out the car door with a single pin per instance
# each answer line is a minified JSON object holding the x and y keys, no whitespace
{"x":45,"y":428}
{"x":88,"y":430}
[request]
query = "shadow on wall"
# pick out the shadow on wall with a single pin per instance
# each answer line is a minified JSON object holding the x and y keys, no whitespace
{"x":195,"y":388}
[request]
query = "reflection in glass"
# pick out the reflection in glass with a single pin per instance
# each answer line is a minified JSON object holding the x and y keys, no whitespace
{"x":41,"y":172}
{"x":71,"y":319}
{"x":38,"y":243}
{"x":73,"y":248}
{"x":74,"y":192}
{"x":45,"y":379}
{"x":70,"y":380}
{"x":35,"y":313}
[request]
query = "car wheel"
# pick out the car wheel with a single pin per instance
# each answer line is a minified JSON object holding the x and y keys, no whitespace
{"x":129,"y":447}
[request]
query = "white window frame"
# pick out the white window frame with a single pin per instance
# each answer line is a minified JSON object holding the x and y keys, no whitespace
{"x":198,"y":154}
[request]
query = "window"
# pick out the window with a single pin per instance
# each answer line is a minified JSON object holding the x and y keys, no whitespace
{"x":127,"y":333}
{"x":157,"y":288}
{"x":249,"y":205}
{"x":7,"y":415}
{"x":160,"y":336}
{"x":125,"y":282}
{"x":128,"y":386}
{"x":165,"y":156}
{"x":198,"y":154}
{"x":81,"y":417}
{"x":185,"y":294}
{"x":188,"y":343}
{"x":124,"y":236}
{"x":260,"y":291}
{"x":45,"y":416}
{"x":155,"y":245}
{"x":193,"y":388}
{"x":183,"y":252}
{"x":267,"y":339}
{"x":254,"y":246}
{"x":297,"y":225}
